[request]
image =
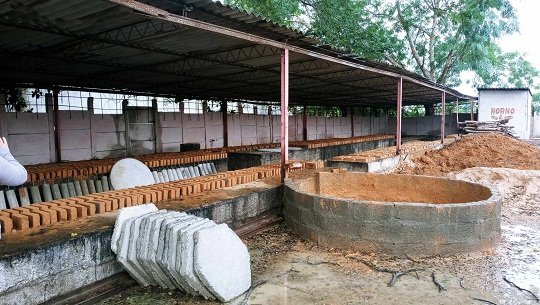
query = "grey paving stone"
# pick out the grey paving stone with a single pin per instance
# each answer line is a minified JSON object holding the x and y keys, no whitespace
{"x":186,"y":263}
{"x":137,"y":234}
{"x":128,"y":173}
{"x":169,"y":253}
{"x":126,"y":213}
{"x":146,"y":251}
{"x":123,"y":248}
{"x":165,"y":175}
{"x":172,"y":173}
{"x":153,"y":243}
{"x":161,"y":178}
{"x":141,"y":247}
{"x":228,"y":274}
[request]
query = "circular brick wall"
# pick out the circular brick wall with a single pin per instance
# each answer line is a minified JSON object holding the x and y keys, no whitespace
{"x":406,"y":215}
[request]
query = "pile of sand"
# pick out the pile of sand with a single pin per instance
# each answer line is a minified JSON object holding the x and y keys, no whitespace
{"x":482,"y":150}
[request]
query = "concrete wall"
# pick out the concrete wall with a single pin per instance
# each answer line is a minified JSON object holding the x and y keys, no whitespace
{"x":85,"y":135}
{"x":428,"y":125}
{"x":513,"y":104}
{"x":44,"y":272}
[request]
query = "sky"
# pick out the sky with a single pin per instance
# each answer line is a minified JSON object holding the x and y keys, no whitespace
{"x":526,"y":41}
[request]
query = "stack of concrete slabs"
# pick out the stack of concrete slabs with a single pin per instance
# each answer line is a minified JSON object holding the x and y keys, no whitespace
{"x":178,"y":251}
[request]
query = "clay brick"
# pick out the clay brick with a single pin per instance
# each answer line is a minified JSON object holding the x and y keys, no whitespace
{"x":20,"y":221}
{"x":82,"y":211}
{"x":53,"y":216}
{"x":100,"y":206}
{"x":71,"y":211}
{"x":44,"y":217}
{"x":90,"y":208}
{"x":7,"y":224}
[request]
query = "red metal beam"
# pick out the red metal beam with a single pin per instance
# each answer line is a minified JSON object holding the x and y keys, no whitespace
{"x":284,"y":113}
{"x":398,"y":116}
{"x":304,"y":123}
{"x":57,"y":146}
{"x":443,"y":115}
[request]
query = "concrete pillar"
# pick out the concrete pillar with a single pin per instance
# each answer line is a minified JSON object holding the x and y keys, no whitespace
{"x":158,"y":129}
{"x":49,"y":108}
{"x":398,"y":116}
{"x":284,"y":113}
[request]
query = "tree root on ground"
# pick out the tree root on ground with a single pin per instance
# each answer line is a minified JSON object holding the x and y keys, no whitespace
{"x":395,"y":273}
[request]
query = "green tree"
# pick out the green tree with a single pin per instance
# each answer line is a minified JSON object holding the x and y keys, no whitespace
{"x":438,"y":39}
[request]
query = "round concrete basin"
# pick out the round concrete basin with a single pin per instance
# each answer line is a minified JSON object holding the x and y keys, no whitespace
{"x":393,"y":214}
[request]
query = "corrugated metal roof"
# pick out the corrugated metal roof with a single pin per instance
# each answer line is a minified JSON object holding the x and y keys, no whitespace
{"x":141,"y":47}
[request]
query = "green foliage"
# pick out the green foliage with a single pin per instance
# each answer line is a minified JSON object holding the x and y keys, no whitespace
{"x":438,"y":39}
{"x":15,"y":99}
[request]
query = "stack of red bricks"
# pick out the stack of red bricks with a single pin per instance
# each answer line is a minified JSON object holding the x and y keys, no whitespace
{"x":338,"y":141}
{"x":47,"y":213}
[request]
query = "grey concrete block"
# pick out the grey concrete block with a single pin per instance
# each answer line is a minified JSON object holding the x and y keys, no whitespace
{"x":78,"y":189}
{"x":172,"y":175}
{"x":56,"y":193}
{"x":71,"y":189}
{"x":105,"y":183}
{"x":35,"y":194}
{"x":165,"y":175}
{"x":155,"y":176}
{"x":47,"y":193}
{"x":179,"y":173}
{"x":99,"y":186}
{"x":2,"y":201}
{"x":214,"y":169}
{"x":139,"y":247}
{"x":23,"y":196}
{"x":12,"y":199}
{"x":91,"y":186}
{"x":160,"y":177}
{"x":192,"y":172}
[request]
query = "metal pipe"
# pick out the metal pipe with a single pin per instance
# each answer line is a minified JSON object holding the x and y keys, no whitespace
{"x":472,"y":110}
{"x":398,"y":125}
{"x":443,"y":110}
{"x":225,"y":124}
{"x":57,"y":146}
{"x":284,"y":113}
{"x":304,"y":121}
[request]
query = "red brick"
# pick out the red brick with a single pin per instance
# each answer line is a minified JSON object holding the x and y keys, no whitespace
{"x":90,"y":208}
{"x":7,"y":224}
{"x":20,"y":221}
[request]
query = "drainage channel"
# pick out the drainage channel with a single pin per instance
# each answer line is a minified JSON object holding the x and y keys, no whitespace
{"x":113,"y":285}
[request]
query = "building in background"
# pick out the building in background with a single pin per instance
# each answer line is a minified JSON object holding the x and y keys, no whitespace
{"x":514,"y":104}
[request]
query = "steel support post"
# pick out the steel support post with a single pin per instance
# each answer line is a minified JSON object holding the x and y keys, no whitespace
{"x":284,"y":113}
{"x":304,"y":123}
{"x":398,"y":115}
{"x":443,"y":115}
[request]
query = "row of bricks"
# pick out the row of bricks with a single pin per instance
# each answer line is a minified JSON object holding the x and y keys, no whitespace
{"x":46,"y":213}
{"x":341,"y":141}
{"x":386,"y":152}
{"x":96,"y":167}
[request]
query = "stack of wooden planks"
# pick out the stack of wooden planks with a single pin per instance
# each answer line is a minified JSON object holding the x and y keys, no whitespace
{"x":499,"y":126}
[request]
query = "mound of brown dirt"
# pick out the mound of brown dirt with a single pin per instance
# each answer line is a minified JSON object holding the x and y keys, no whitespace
{"x":485,"y":150}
